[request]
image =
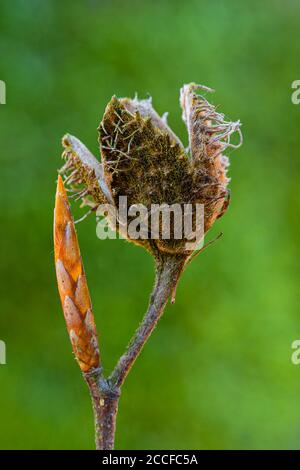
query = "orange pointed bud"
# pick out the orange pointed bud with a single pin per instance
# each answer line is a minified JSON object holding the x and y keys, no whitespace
{"x":72,"y":285}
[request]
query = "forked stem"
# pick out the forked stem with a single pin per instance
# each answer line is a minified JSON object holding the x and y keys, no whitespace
{"x":168,"y":270}
{"x":105,"y":393}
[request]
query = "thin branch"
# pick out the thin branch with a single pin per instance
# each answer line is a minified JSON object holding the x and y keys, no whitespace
{"x":168,"y":271}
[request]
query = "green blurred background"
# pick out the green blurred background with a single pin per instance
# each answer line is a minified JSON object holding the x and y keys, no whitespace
{"x":217,"y":373}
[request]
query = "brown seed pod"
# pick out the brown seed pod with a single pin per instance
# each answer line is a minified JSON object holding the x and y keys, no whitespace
{"x":145,"y":161}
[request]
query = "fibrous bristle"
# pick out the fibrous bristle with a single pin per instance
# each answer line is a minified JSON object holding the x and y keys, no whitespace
{"x":82,"y":174}
{"x":209,"y":132}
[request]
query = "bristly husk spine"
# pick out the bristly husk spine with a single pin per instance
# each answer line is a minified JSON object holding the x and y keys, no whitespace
{"x":209,"y":136}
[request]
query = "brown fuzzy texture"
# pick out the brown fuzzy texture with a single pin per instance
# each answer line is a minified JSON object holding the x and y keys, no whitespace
{"x":144,"y":160}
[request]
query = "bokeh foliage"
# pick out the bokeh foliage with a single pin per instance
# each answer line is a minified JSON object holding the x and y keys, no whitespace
{"x":217,"y":372}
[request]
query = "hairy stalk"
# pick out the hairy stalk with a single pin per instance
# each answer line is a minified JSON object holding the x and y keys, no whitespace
{"x":168,"y":270}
